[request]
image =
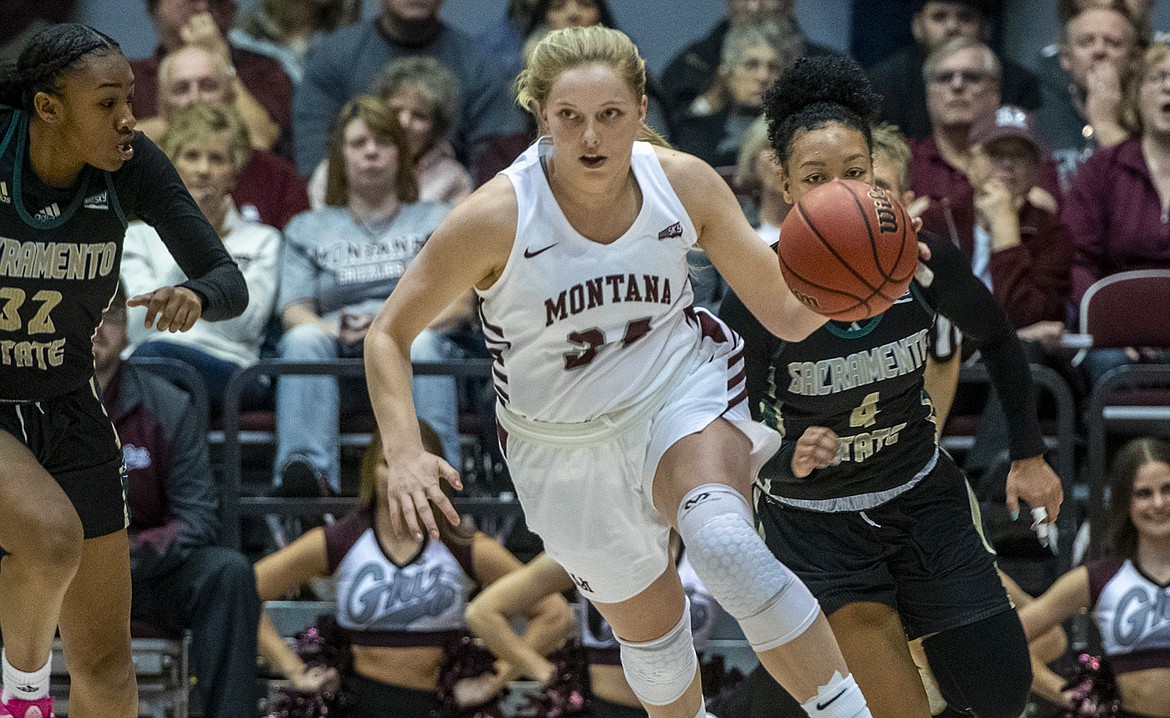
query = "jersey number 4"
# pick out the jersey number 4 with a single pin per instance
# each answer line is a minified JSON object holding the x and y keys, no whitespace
{"x":41,"y":322}
{"x":590,"y":340}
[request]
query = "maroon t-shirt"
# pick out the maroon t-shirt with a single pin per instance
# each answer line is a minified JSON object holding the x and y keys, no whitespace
{"x":1115,"y":217}
{"x":932,"y":176}
{"x":269,"y":190}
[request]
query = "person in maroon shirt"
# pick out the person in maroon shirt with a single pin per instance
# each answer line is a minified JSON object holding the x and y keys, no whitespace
{"x":206,"y":22}
{"x":268,"y":189}
{"x":1118,"y":207}
{"x":962,"y":81}
{"x":1022,"y":252}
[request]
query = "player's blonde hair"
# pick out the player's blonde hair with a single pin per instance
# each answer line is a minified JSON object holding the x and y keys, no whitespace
{"x":889,"y":141}
{"x":571,"y":47}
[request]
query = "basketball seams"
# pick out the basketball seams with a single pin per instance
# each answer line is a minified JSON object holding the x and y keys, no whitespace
{"x":859,"y":301}
{"x":832,"y":249}
{"x":873,"y":244}
{"x":842,"y":244}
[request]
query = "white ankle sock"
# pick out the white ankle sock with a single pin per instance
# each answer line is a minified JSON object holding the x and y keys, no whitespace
{"x":839,"y":698}
{"x":27,"y":686}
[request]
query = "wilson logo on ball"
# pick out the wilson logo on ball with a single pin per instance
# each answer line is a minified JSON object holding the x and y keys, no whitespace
{"x":887,"y":218}
{"x":847,"y":250}
{"x":811,"y":301}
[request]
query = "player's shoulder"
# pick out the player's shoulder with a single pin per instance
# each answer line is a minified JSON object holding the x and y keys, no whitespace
{"x":691,"y":178}
{"x":488,"y":213}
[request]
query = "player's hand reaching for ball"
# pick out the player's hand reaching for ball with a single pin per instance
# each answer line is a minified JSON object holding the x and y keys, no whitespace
{"x":412,"y":484}
{"x":169,"y":309}
{"x":1034,"y":481}
{"x":815,"y":449}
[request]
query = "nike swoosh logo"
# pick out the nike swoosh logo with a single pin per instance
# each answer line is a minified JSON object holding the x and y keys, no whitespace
{"x":826,"y":704}
{"x":529,"y":254}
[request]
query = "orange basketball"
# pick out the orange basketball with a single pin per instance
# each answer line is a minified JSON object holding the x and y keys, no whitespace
{"x":848,"y":250}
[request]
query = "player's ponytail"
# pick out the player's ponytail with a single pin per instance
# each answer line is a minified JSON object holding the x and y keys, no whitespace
{"x":818,"y":90}
{"x":11,"y":87}
{"x":54,"y":51}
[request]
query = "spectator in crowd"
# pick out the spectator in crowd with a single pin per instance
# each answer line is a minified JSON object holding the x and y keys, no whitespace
{"x":758,"y":178}
{"x":962,"y":78}
{"x":423,"y":585}
{"x":502,"y":41}
{"x":691,"y":72}
{"x":179,"y":23}
{"x":1082,"y":99}
{"x":1021,"y":252}
{"x":1140,"y":11}
{"x":549,"y":15}
{"x":348,"y":62}
{"x":756,"y":184}
{"x":900,"y":78}
{"x":193,"y":73}
{"x":519,"y":593}
{"x":1118,"y":208}
{"x":554,"y":14}
{"x":23,"y":18}
{"x":207,"y":144}
{"x":267,"y":188}
{"x":181,"y":579}
{"x":339,"y":265}
{"x":1125,"y":591}
{"x":753,"y":57}
{"x":285,"y":29}
{"x":424,"y":95}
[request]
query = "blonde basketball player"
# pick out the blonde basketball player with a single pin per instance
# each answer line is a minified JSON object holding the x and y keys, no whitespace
{"x":622,"y":410}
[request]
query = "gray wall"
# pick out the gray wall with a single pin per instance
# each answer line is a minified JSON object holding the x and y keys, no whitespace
{"x":661,"y":34}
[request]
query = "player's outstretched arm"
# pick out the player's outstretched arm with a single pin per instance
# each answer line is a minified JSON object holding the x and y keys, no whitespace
{"x":748,"y":265}
{"x":469,"y":248}
{"x":170,"y":309}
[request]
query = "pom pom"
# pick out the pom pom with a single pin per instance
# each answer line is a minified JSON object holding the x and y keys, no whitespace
{"x":1094,"y":690}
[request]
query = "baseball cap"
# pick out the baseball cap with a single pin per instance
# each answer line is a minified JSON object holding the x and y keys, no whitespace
{"x":1006,"y":121}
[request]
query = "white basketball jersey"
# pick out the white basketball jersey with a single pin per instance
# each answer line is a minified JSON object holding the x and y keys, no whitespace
{"x":578,"y":329}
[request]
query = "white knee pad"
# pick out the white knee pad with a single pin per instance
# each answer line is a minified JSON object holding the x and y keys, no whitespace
{"x":660,"y":671}
{"x":772,"y":605}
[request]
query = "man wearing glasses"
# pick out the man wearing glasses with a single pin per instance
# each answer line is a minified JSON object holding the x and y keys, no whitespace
{"x":899,"y":78}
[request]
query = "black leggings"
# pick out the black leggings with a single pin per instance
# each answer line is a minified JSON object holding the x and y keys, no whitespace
{"x":982,"y":668}
{"x":375,"y":699}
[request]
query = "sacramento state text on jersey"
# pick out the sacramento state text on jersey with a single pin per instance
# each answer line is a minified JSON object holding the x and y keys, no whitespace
{"x":828,"y":376}
{"x":48,"y":260}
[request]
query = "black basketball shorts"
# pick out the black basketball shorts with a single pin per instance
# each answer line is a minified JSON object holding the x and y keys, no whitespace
{"x":921,"y":553}
{"x":72,"y":438}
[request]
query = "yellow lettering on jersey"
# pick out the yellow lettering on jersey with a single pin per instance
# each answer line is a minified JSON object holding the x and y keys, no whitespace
{"x":28,"y":355}
{"x":866,"y":412}
{"x":42,"y":323}
{"x":9,"y":317}
{"x":860,"y":447}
